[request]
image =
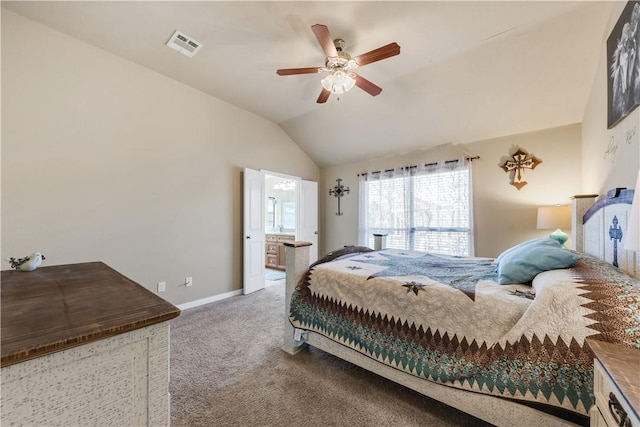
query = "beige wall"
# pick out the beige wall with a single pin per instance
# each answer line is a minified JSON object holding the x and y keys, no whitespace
{"x":504,"y":215}
{"x":611,"y":157}
{"x":105,"y":160}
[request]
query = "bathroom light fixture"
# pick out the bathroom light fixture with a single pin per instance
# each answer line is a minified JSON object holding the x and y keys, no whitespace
{"x":285,"y":185}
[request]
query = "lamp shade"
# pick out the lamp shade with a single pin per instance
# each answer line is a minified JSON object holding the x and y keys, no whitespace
{"x":554,"y":217}
{"x":632,"y":239}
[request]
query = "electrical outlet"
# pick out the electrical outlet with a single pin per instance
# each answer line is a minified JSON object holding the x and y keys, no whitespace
{"x":188,"y":281}
{"x":162,"y":286}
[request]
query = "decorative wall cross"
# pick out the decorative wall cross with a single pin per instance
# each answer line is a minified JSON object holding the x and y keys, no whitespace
{"x":338,"y":191}
{"x":519,"y":161}
{"x":615,"y":233}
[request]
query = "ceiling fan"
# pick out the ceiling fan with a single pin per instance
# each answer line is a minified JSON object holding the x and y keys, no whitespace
{"x":340,"y":65}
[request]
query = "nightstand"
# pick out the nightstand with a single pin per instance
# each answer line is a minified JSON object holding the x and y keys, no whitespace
{"x":616,"y":385}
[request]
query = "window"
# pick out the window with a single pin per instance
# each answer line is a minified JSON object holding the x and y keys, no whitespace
{"x":425,"y":208}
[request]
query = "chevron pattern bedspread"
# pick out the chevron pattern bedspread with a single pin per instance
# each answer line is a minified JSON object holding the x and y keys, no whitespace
{"x":447,"y":320}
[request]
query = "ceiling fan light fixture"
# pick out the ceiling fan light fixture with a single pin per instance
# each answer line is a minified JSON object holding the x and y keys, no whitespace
{"x":340,"y":65}
{"x":338,"y":82}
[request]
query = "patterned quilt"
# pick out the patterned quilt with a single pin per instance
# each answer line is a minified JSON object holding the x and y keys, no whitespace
{"x":447,"y":320}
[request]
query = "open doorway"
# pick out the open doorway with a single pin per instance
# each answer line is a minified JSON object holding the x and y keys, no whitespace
{"x":280,"y":223}
{"x":278,"y":208}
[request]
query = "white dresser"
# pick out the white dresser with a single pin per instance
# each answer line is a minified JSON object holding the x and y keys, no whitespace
{"x":83,"y":345}
{"x":616,"y":385}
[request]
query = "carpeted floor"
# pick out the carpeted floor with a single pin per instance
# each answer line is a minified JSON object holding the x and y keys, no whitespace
{"x":227,"y":370}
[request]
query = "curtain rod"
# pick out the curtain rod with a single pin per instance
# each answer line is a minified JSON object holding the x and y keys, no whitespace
{"x":415,"y":166}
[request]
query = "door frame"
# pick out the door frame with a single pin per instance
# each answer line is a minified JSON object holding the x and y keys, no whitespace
{"x":253,"y":281}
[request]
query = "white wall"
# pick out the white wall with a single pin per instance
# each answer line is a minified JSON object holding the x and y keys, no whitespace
{"x":611,"y":157}
{"x":105,"y":160}
{"x":504,"y":215}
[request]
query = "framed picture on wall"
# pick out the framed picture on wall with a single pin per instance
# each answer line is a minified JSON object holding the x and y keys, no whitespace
{"x":623,"y":64}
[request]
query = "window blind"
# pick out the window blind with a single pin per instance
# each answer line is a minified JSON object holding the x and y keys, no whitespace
{"x":425,"y":208}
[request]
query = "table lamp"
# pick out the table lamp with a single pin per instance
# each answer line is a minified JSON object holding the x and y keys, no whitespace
{"x":557,"y":217}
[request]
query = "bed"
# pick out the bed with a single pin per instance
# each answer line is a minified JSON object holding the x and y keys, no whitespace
{"x":510,"y":354}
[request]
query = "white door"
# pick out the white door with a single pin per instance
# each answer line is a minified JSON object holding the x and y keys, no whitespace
{"x":308,"y":219}
{"x":254,"y":236}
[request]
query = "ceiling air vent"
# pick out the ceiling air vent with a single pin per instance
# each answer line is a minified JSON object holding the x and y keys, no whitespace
{"x":184,"y":44}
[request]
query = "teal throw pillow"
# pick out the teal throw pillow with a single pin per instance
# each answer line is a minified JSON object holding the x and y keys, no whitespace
{"x":542,"y":241}
{"x":522,"y":264}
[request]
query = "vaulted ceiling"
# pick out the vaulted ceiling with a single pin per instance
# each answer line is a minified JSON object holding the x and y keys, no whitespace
{"x":467,"y":71}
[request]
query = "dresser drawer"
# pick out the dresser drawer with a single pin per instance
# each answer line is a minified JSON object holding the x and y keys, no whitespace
{"x":286,"y":238}
{"x":272,"y":260}
{"x":595,"y":417}
{"x":271,"y":238}
{"x":272,"y":248}
{"x":611,"y":403}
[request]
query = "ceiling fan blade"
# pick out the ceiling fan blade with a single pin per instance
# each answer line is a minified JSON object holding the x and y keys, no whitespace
{"x":292,"y":71}
{"x":325,"y":40}
{"x":384,"y":52}
{"x":367,"y":86}
{"x":324,"y":95}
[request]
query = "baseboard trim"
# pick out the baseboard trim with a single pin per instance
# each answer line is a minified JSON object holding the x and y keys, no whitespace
{"x":203,"y":301}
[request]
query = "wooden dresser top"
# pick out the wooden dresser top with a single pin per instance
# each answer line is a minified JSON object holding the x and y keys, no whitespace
{"x":55,"y":308}
{"x":623,"y":365}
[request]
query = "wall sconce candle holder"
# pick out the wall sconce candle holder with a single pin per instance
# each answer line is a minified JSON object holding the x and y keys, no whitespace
{"x":338,"y":191}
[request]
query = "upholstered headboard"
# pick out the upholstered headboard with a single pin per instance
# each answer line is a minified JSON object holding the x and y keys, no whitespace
{"x":599,"y":228}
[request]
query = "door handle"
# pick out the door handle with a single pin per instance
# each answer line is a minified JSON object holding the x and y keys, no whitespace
{"x":248,"y":237}
{"x":315,"y":232}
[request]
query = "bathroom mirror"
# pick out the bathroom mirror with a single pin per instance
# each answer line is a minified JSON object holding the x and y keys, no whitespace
{"x":271,"y":212}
